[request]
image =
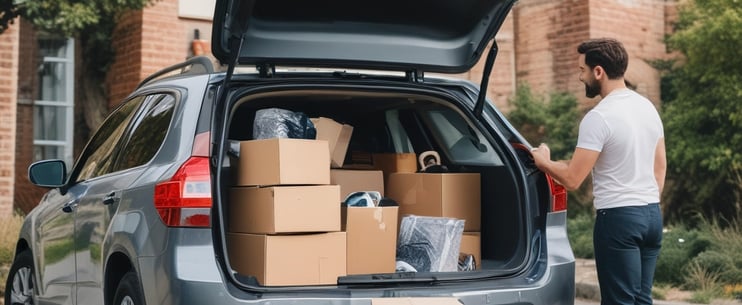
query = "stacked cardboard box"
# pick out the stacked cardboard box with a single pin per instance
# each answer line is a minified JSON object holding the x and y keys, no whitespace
{"x":337,"y":136}
{"x":371,"y":231}
{"x":284,"y":215}
{"x":286,"y":225}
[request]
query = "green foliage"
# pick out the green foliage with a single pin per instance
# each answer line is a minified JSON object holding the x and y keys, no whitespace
{"x":704,"y":259}
{"x":72,"y":17}
{"x":92,"y":22}
{"x":554,"y":122}
{"x":679,"y":246}
{"x":704,"y":296}
{"x":722,"y":257}
{"x":702,"y":110}
{"x":580,"y":234}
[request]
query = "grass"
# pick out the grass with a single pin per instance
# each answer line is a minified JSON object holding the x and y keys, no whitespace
{"x":9,"y":228}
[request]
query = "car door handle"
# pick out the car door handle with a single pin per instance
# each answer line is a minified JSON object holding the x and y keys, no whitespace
{"x":110,"y":198}
{"x":69,"y":206}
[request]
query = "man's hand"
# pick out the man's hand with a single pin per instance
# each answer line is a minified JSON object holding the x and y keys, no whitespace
{"x":541,"y":155}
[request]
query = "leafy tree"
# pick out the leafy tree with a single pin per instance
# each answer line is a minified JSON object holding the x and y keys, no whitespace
{"x":554,"y":121}
{"x":540,"y":121}
{"x":703,"y":111}
{"x":91,"y":22}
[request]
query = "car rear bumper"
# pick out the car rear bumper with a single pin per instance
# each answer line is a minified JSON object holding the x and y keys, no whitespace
{"x":192,"y":276}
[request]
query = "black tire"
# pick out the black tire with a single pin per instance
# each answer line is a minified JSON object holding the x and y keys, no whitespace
{"x":19,"y":288}
{"x":129,"y":292}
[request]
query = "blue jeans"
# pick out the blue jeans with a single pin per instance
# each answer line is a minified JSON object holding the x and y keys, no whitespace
{"x":627,"y":242}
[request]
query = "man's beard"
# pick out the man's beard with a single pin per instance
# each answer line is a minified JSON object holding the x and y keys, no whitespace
{"x":592,"y":89}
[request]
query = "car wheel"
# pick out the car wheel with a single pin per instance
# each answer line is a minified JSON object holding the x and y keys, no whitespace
{"x":129,"y":292}
{"x":19,"y":289}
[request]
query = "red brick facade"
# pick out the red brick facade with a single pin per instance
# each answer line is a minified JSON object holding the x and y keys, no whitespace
{"x":548,"y":33}
{"x":147,"y":41}
{"x":537,"y":45}
{"x":26,"y":194}
{"x":8,"y":97}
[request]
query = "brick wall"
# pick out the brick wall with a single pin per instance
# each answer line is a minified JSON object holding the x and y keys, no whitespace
{"x":147,"y":41}
{"x":126,"y":40}
{"x":641,"y":26}
{"x":548,"y":33}
{"x":26,"y":195}
{"x":8,"y":94}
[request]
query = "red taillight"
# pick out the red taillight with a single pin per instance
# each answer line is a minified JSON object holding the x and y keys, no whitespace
{"x":185,"y":200}
{"x":558,"y":195}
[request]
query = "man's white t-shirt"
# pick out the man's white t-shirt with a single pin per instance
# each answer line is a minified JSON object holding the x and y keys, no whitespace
{"x":625,"y":128}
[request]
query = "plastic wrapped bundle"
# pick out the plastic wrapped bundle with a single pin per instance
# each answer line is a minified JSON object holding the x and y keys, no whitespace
{"x":429,"y":243}
{"x":281,"y":123}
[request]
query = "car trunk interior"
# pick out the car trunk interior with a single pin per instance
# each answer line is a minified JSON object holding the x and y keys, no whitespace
{"x":376,"y":117}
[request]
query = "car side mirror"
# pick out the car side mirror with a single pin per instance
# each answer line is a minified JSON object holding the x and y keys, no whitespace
{"x":48,"y":173}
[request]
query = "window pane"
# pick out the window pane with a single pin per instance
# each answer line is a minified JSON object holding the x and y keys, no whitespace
{"x":53,"y":47}
{"x":100,"y":152}
{"x":148,"y":135}
{"x":49,"y":123}
{"x":462,"y":143}
{"x":52,"y":81}
{"x":44,"y":152}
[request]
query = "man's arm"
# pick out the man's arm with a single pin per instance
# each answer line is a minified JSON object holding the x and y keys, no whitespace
{"x":570,"y":173}
{"x":660,"y":164}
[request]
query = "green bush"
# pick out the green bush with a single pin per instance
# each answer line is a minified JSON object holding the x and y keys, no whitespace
{"x":722,"y":258}
{"x":719,"y":263}
{"x":679,"y":246}
{"x":580,"y":234}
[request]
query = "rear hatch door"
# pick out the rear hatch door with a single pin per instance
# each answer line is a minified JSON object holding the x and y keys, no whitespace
{"x":402,"y":35}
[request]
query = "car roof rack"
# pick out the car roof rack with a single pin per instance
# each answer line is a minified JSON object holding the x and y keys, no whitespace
{"x":192,"y":66}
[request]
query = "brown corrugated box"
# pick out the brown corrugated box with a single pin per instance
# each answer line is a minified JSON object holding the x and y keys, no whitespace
{"x":337,"y":136}
{"x":372,"y":239}
{"x":471,"y":243}
{"x":395,"y":163}
{"x":284,"y":260}
{"x":357,"y":181}
{"x":283,"y":162}
{"x":454,"y":195}
{"x":284,"y":209}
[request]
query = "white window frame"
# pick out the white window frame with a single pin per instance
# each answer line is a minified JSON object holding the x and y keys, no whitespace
{"x":68,"y":103}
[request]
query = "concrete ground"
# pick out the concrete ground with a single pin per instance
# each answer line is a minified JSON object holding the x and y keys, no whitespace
{"x":587,"y":288}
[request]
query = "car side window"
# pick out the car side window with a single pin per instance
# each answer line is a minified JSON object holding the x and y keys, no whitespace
{"x":148,"y":132}
{"x":463,"y":144}
{"x":99,"y":154}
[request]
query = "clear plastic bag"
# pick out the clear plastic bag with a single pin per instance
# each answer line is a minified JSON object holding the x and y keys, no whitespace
{"x":429,"y":244}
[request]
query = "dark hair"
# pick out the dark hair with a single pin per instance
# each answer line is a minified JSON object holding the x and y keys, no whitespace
{"x":607,"y":53}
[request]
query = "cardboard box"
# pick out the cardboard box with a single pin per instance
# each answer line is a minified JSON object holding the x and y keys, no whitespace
{"x":337,"y":136}
{"x":284,"y":209}
{"x":283,"y":161}
{"x":372,"y":239}
{"x":455,"y":195}
{"x":471,"y":243}
{"x":395,"y":163}
{"x":284,"y":260}
{"x":357,"y":181}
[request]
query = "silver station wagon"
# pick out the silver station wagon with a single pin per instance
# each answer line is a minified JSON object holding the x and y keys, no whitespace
{"x":376,"y":184}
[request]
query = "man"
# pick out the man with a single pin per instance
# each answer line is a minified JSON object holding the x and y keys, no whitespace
{"x":622,"y":141}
